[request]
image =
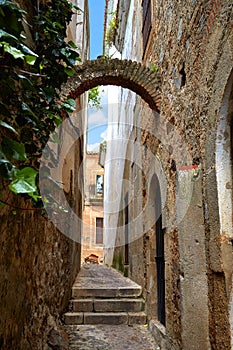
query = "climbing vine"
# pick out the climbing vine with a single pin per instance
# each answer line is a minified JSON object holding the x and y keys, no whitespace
{"x":94,"y":98}
{"x":111,"y":30}
{"x":31,"y":76}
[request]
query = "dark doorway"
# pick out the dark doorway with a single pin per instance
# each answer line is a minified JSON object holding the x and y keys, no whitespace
{"x":160,"y":262}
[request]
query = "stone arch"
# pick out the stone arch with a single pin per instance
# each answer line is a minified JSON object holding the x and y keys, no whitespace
{"x":126,"y":73}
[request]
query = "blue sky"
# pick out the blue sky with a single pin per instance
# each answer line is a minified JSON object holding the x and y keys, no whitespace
{"x":96,"y":13}
{"x":97,"y":120}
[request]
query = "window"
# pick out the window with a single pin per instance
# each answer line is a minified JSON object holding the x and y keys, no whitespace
{"x":99,"y":230}
{"x":99,"y":184}
{"x":146,"y":22}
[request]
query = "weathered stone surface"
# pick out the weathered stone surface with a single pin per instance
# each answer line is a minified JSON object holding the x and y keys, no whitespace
{"x":82,"y":305}
{"x":136,"y":318}
{"x":130,"y":292}
{"x":102,"y":281}
{"x":191,"y":44}
{"x":106,"y":318}
{"x":58,"y":340}
{"x":89,"y":292}
{"x":38,"y":264}
{"x":115,"y":305}
{"x":73,"y":318}
{"x":35,"y":259}
{"x":121,"y":304}
{"x":132,"y":75}
{"x":110,"y":337}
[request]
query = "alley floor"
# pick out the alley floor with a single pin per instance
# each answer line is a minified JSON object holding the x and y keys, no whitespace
{"x":107,"y":312}
{"x":110,"y":337}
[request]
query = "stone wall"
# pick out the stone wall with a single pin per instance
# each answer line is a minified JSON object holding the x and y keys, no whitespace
{"x":38,"y":263}
{"x":38,"y":266}
{"x":190,"y":46}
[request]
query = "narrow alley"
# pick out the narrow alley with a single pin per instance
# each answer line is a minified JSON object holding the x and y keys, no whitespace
{"x":119,"y":155}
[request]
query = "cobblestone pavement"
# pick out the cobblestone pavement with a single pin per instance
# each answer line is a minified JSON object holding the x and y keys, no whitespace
{"x":106,"y":337}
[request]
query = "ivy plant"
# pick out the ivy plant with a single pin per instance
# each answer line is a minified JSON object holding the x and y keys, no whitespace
{"x":94,"y":99}
{"x":30,"y":79}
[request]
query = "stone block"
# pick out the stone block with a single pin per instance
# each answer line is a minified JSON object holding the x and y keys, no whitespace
{"x":97,"y":292}
{"x":106,"y":318}
{"x":82,"y":305}
{"x":132,"y":292}
{"x":136,"y":318}
{"x":118,"y":305}
{"x":73,"y":318}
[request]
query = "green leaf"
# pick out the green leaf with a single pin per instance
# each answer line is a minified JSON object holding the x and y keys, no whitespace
{"x":30,"y":56}
{"x":30,"y":59}
{"x":56,"y":118}
{"x":11,"y":5}
{"x":4,"y":34}
{"x":72,"y":44}
{"x":12,"y":50}
{"x":78,"y":8}
{"x":21,"y":186}
{"x":35,"y":196}
{"x":7,"y":126}
{"x":27,"y":51}
{"x":26,"y":83}
{"x":49,"y":93}
{"x":24,"y":182}
{"x":26,"y":108}
{"x":13,"y":149}
{"x":69,"y":71}
{"x":7,"y":170}
{"x":69,"y":105}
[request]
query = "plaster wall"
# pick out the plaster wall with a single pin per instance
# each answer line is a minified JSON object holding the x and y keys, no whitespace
{"x":121,"y":124}
{"x":190,"y":45}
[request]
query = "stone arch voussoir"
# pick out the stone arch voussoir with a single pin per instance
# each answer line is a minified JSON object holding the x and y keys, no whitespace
{"x":126,"y":73}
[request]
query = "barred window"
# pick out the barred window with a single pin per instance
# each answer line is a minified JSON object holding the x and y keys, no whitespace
{"x":146,"y":22}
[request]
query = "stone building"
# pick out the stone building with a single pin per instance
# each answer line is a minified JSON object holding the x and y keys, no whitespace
{"x":170,"y":228}
{"x":93,"y":214}
{"x":38,"y":263}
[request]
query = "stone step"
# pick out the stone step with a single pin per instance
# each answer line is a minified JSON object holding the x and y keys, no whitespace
{"x":128,"y":292}
{"x":108,"y":305}
{"x":115,"y":318}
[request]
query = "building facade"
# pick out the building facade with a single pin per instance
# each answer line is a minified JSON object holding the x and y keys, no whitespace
{"x":170,"y":228}
{"x":93,"y":215}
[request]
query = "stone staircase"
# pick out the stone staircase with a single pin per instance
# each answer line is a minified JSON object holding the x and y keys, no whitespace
{"x":101,"y":295}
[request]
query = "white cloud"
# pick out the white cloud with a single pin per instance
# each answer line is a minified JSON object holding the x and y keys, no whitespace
{"x":94,"y":147}
{"x":97,"y":118}
{"x":104,"y":134}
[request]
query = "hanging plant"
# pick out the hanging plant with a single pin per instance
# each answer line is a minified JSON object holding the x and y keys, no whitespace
{"x":30,"y":81}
